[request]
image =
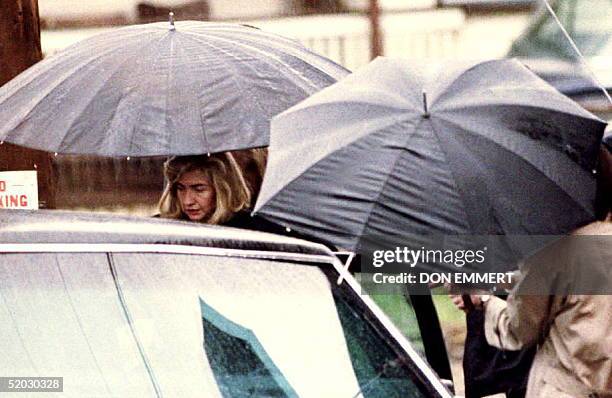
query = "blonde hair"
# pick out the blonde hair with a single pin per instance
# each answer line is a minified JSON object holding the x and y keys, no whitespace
{"x":253,"y":164}
{"x":232,"y":192}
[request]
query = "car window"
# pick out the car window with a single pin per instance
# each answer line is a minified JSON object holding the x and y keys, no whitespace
{"x":587,"y":22}
{"x":60,"y":319}
{"x":378,"y":368}
{"x":398,"y":306}
{"x":192,"y":325}
{"x":550,"y":38}
{"x":591,"y":26}
{"x":240,"y":364}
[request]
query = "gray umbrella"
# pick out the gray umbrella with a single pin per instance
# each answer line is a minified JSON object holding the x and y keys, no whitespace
{"x":395,"y":150}
{"x":161,"y":89}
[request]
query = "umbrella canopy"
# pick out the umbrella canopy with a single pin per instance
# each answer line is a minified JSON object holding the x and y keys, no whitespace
{"x":396,"y":149}
{"x":161,"y":89}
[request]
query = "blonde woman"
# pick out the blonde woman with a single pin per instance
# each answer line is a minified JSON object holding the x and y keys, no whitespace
{"x":215,"y":189}
{"x":209,"y":189}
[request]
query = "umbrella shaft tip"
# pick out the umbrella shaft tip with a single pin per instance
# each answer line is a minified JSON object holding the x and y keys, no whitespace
{"x":425,"y":107}
{"x":171,"y":20}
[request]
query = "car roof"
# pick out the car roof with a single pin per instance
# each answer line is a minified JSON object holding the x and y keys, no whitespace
{"x":60,"y":229}
{"x":68,"y":227}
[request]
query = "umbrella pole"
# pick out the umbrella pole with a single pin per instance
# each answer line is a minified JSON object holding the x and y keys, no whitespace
{"x":425,"y":107}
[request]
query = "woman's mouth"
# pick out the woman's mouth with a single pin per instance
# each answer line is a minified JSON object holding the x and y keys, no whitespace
{"x":193,"y":213}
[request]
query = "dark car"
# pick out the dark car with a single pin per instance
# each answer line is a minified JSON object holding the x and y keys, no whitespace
{"x":545,"y":49}
{"x":133,"y":307}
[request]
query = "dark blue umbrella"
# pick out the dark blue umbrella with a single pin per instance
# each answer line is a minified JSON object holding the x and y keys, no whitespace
{"x":161,"y":89}
{"x":398,"y":150}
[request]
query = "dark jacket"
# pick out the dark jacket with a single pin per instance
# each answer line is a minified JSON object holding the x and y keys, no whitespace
{"x":489,"y":370}
{"x":245,"y":220}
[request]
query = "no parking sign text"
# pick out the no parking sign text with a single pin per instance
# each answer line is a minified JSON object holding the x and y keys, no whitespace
{"x":18,"y":190}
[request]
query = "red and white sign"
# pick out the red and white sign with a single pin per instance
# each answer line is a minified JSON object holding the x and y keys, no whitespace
{"x":18,"y":190}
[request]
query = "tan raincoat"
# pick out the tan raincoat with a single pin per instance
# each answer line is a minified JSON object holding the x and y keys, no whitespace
{"x":573,"y":331}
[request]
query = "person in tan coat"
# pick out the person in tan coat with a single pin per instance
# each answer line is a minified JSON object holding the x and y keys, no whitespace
{"x":573,"y":331}
{"x":563,"y":304}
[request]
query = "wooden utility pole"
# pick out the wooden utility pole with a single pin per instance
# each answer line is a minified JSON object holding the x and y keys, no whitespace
{"x":20,"y":49}
{"x":376,"y":46}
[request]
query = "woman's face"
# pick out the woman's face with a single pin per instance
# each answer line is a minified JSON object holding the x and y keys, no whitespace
{"x":196,"y":195}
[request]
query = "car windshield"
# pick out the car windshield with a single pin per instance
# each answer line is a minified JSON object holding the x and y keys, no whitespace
{"x":151,"y":324}
{"x":586,"y":21}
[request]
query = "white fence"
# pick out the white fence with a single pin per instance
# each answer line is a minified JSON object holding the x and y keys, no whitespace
{"x":430,"y":34}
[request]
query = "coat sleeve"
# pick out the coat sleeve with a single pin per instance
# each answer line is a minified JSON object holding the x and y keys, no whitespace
{"x":516,"y":323}
{"x":524,"y":319}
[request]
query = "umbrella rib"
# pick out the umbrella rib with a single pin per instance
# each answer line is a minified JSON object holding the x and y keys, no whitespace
{"x":151,"y":44}
{"x":549,"y":105}
{"x":132,"y":132}
{"x":55,"y":86}
{"x":296,"y":49}
{"x":202,"y":121}
{"x":267,"y":58}
{"x":256,"y":35}
{"x":305,"y":145}
{"x":252,"y":32}
{"x":520,"y":157}
{"x":393,"y":166}
{"x":168,"y":88}
{"x":452,"y":173}
{"x":29,"y":75}
{"x":357,"y":99}
{"x":537,"y":86}
{"x":234,"y":76}
{"x":118,"y":69}
{"x":453,"y":82}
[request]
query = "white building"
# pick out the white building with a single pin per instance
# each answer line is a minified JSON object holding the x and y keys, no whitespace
{"x":219,"y":9}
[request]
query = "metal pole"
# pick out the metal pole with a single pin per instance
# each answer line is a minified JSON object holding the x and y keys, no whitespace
{"x":376,"y":41}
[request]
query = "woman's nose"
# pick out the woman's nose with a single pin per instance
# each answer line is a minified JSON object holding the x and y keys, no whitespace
{"x":188,"y":197}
